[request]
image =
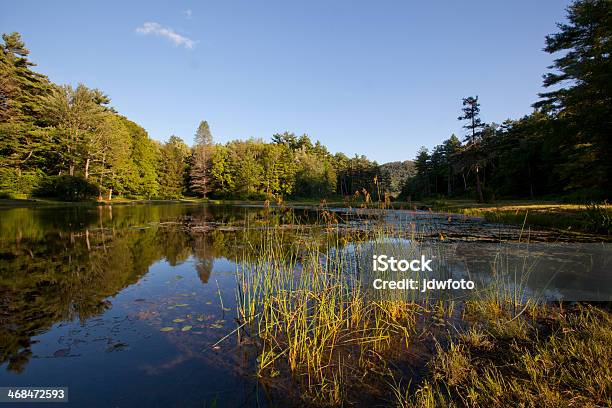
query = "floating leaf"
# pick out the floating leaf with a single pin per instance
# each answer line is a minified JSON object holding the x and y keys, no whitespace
{"x":62,"y":352}
{"x":181,"y":305}
{"x":178,"y":320}
{"x":186,"y":328}
{"x":209,"y":303}
{"x":117,"y":347}
{"x":216,"y":326}
{"x":166,"y":329}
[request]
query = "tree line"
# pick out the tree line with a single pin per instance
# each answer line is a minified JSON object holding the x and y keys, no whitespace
{"x":68,"y":142}
{"x":563,"y":148}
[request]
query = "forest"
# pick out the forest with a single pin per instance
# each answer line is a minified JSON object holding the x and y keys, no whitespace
{"x":69,"y":143}
{"x":562,"y":149}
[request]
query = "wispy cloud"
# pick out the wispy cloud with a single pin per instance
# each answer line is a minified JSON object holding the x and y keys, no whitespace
{"x":166,"y":32}
{"x":188,"y":14}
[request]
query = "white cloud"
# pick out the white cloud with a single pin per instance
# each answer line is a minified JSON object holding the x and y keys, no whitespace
{"x":188,"y":14}
{"x":166,"y":32}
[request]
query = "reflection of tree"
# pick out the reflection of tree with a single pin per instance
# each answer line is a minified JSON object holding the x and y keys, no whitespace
{"x":52,"y":271}
{"x":204,"y":268}
{"x":176,"y":244}
{"x":61,"y":264}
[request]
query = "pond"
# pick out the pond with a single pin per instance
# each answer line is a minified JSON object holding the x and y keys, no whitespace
{"x":136,"y":304}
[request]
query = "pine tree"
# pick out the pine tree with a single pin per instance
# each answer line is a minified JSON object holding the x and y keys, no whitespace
{"x":474,"y":126}
{"x":200,"y":165}
{"x":582,"y":102}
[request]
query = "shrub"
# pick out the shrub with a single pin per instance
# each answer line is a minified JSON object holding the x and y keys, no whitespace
{"x":68,"y":188}
{"x":15,"y":183}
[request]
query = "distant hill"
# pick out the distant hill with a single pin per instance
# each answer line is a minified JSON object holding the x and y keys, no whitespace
{"x":398,"y":172}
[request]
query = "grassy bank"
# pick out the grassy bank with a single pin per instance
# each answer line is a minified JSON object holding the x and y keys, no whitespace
{"x":594,"y":218}
{"x":548,"y":357}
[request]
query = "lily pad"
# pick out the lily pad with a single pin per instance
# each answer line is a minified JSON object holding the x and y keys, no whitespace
{"x":166,"y":329}
{"x":181,"y":305}
{"x":186,"y":328}
{"x":62,"y":352}
{"x":178,"y":320}
{"x":117,"y":347}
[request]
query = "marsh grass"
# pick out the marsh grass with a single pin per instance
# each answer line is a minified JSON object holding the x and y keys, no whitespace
{"x":552,"y":358}
{"x":323,"y":338}
{"x":314,"y":320}
{"x":594,"y":218}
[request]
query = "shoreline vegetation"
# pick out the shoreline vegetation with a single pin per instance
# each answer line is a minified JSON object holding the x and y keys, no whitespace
{"x":569,"y":218}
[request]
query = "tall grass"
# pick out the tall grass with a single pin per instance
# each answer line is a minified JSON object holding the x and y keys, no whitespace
{"x":315,"y":318}
{"x":325,"y":337}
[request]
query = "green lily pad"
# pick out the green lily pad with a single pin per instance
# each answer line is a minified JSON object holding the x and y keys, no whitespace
{"x":166,"y":329}
{"x":181,"y":305}
{"x":178,"y":320}
{"x":186,"y":328}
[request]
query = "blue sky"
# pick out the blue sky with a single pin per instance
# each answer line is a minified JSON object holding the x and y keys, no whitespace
{"x":380,"y":78}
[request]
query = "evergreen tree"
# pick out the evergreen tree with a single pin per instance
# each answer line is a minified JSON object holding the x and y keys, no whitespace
{"x":474,"y":126}
{"x":582,"y":102}
{"x":452,"y":146}
{"x":200,"y":165}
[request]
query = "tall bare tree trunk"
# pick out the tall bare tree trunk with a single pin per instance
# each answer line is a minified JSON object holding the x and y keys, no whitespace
{"x":449,"y":187}
{"x":479,"y":187}
{"x":87,"y":168}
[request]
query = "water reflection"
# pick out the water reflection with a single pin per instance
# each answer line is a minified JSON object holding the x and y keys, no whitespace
{"x":91,"y":288}
{"x":63,"y":264}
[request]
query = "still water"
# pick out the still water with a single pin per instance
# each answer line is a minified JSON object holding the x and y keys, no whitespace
{"x":126,"y":305}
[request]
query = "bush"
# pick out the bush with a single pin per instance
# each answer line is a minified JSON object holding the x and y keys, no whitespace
{"x":15,"y":183}
{"x":68,"y":188}
{"x":598,"y":218}
{"x":585,"y":196}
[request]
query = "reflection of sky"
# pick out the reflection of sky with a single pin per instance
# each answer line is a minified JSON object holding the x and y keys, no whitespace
{"x":546,"y":271}
{"x":122,"y":358}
